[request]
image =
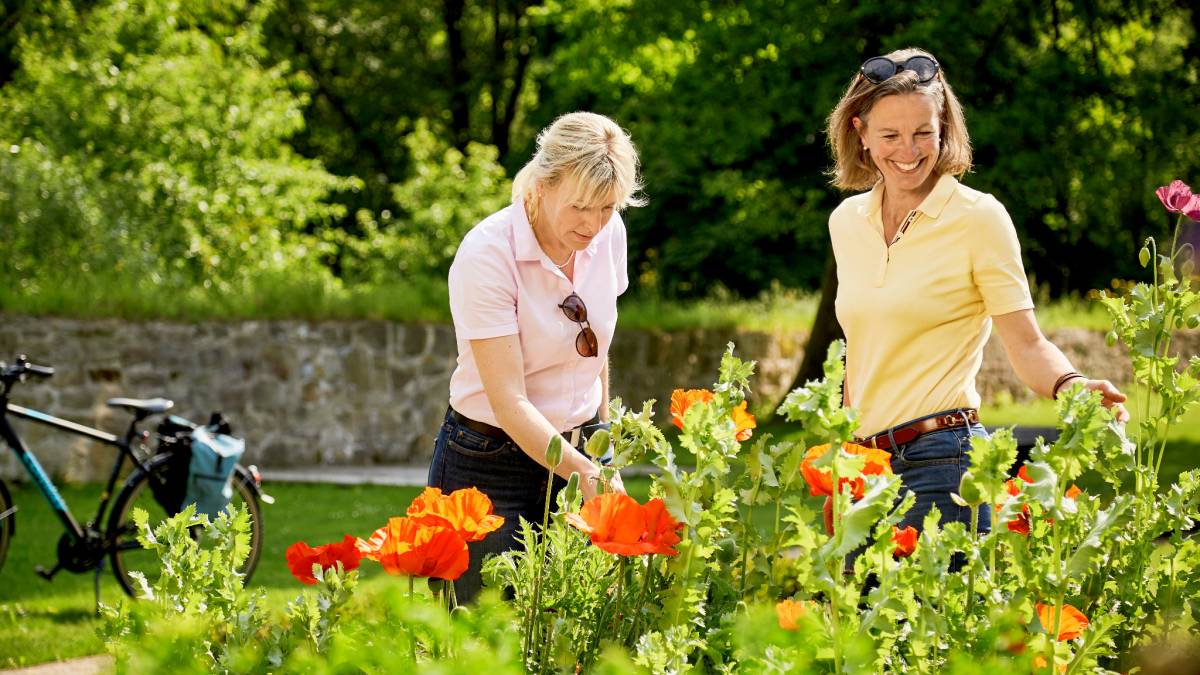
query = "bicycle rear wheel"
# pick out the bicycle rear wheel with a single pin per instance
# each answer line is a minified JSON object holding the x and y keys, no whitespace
{"x":127,"y":554}
{"x":6,"y":521}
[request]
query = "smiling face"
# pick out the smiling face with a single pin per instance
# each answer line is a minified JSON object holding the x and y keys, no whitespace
{"x":566,"y":222}
{"x":902,"y":134}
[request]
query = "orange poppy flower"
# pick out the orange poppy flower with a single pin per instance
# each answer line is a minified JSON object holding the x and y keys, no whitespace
{"x":467,"y":511}
{"x":615,"y":522}
{"x":820,"y":481}
{"x":618,"y":524}
{"x":789,"y":612}
{"x":1020,"y":524}
{"x":301,"y":558}
{"x":662,"y":530}
{"x":744,"y":422}
{"x":905,"y":540}
{"x":681,"y":400}
{"x":1040,"y":662}
{"x":407,"y":547}
{"x":1072,"y":622}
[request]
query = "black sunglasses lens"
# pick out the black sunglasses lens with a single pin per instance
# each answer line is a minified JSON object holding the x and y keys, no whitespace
{"x":585,"y":342}
{"x":925,"y":67}
{"x":877,"y":69}
{"x":574,"y":308}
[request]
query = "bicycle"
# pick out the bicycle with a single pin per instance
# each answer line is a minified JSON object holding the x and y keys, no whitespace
{"x":83,"y":548}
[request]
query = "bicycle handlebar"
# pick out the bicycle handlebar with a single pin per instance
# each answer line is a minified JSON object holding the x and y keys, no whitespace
{"x":22,"y":367}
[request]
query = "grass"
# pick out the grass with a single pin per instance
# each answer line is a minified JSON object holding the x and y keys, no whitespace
{"x":318,"y":297}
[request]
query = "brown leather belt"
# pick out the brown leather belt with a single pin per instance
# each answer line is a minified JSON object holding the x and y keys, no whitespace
{"x":500,"y":435}
{"x":907,"y":433}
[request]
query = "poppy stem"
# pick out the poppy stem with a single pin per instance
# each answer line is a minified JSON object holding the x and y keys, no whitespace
{"x":647,"y":578}
{"x":533,"y":630}
{"x":971,"y":563}
{"x":747,"y":523}
{"x":411,"y":587}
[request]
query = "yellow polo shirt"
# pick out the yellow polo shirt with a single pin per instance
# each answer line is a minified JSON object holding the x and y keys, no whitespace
{"x":918,"y":313}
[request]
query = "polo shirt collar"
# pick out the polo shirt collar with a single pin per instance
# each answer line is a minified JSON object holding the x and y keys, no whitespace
{"x":931,"y":206}
{"x":527,"y":246}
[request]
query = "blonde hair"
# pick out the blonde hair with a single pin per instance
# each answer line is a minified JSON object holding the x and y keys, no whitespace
{"x":852,"y":168}
{"x":590,"y":148}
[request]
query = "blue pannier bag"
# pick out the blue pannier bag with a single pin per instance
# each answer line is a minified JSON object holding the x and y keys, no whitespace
{"x":210,"y":473}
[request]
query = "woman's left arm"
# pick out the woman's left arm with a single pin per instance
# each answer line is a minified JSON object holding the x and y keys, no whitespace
{"x":1041,"y":365}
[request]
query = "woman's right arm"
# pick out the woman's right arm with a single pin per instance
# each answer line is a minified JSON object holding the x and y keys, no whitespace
{"x":501,"y":369}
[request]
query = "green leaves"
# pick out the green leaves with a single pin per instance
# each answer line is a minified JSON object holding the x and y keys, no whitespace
{"x":817,"y":406}
{"x":991,"y":459}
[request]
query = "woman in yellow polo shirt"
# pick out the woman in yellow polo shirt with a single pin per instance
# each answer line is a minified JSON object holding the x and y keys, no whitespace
{"x":926,"y":266}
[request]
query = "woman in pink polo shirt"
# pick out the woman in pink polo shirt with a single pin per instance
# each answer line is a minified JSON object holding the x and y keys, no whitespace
{"x":533,"y":294}
{"x":926,"y":266}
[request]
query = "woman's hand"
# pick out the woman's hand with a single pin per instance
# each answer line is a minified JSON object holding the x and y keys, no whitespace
{"x":593,"y":484}
{"x":1112,"y":398}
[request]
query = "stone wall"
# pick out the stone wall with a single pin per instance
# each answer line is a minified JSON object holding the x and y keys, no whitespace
{"x":365,"y":392}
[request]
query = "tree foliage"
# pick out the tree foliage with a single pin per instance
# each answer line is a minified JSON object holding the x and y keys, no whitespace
{"x":360,"y":138}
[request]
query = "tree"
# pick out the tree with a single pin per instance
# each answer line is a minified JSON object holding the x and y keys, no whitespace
{"x":151,"y":140}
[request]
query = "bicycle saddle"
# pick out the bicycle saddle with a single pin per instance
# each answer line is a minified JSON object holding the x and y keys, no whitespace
{"x":149,"y":406}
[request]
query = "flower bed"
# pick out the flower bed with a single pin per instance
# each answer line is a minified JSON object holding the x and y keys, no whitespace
{"x":1065,"y":582}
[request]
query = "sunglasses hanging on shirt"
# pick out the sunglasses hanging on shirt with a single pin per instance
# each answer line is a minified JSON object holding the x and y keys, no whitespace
{"x":575,"y":310}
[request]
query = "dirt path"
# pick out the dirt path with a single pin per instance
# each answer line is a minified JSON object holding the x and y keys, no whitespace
{"x":88,"y":665}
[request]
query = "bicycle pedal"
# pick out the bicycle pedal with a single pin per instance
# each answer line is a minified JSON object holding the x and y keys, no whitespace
{"x":41,"y":572}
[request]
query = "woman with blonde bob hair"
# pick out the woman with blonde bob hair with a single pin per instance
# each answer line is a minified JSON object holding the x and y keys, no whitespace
{"x":926,"y":266}
{"x":533,"y":295}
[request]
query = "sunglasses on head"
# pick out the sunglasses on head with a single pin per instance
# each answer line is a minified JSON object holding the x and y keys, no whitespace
{"x":575,"y":310}
{"x":879,"y":68}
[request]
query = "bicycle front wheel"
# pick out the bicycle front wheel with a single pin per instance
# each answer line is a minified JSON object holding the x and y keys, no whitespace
{"x":7,"y":513}
{"x":127,"y":555}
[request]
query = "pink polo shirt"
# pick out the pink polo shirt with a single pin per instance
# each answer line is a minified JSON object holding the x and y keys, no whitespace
{"x":502,"y":283}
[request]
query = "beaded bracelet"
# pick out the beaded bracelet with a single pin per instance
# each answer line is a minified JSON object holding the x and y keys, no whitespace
{"x":1063,"y":380}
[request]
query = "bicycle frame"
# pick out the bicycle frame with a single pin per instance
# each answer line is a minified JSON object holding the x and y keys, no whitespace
{"x":35,"y":470}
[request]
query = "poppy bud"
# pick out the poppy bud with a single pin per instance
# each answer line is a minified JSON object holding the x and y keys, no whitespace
{"x":554,"y":452}
{"x":1144,"y":256}
{"x":571,"y":492}
{"x":969,"y":491}
{"x":597,"y":445}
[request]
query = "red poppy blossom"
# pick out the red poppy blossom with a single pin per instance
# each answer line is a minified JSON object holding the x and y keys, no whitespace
{"x":905,"y":540}
{"x":467,"y":511}
{"x":1176,"y":197}
{"x":407,"y":547}
{"x":1072,"y":622}
{"x":662,"y":530}
{"x":301,"y":557}
{"x":618,"y":524}
{"x":820,"y":481}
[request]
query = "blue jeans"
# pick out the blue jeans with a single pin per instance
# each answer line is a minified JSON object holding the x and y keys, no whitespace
{"x":515,"y":483}
{"x":932,"y":467}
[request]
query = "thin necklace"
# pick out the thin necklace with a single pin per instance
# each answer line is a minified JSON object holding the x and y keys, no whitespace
{"x":565,"y":262}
